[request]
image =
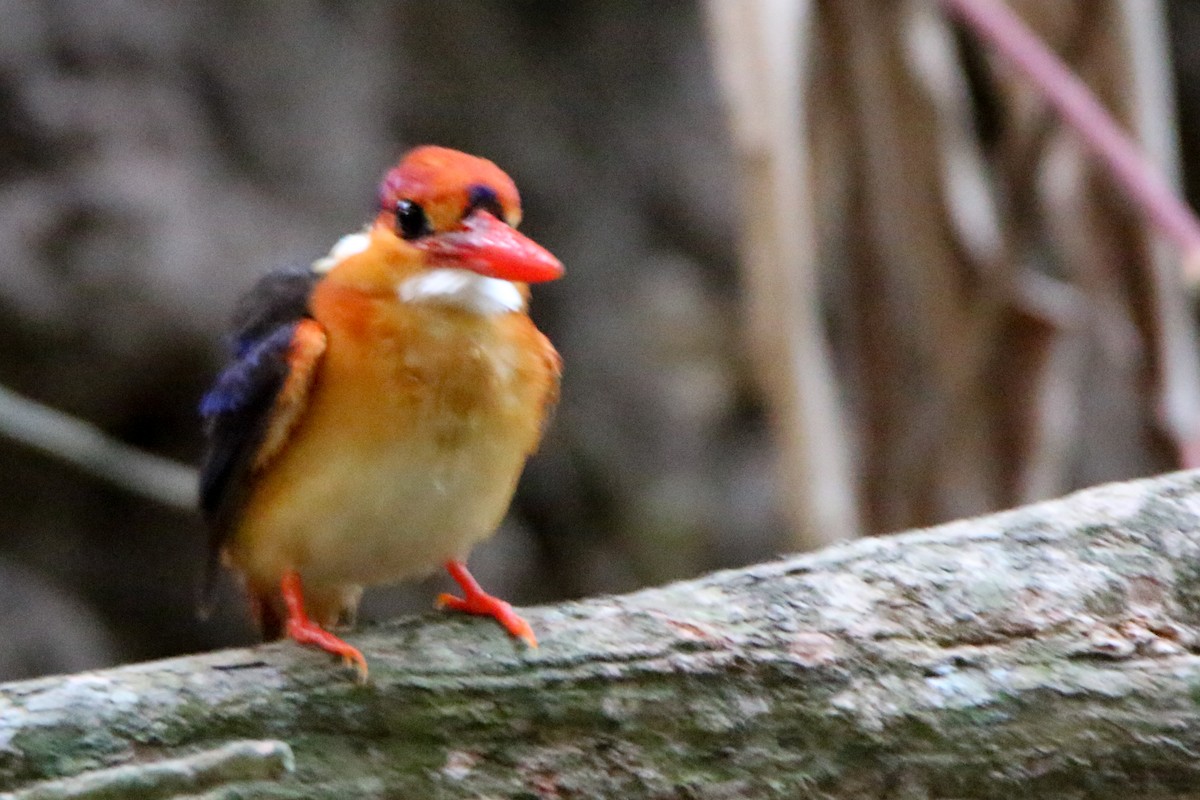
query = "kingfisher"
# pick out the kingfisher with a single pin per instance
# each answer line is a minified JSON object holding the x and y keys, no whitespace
{"x":379,"y":407}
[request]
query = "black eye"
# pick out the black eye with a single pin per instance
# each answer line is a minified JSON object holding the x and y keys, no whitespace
{"x":484,"y":197}
{"x":411,"y":222}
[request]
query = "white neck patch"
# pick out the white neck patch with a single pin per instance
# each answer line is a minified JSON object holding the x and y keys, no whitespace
{"x":463,"y":289}
{"x":349,"y":245}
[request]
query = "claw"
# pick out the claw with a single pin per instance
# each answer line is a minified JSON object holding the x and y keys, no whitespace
{"x":477,"y":601}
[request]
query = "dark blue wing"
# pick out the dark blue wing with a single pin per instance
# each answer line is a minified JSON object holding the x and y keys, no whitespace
{"x":279,"y":298}
{"x":237,"y":409}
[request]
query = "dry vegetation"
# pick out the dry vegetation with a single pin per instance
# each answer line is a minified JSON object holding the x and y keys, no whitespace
{"x":944,"y":305}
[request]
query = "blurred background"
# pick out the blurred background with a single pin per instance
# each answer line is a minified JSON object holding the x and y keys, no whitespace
{"x":832,"y":271}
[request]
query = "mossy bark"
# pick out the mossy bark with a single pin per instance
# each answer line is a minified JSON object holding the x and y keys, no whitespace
{"x":1047,"y":652}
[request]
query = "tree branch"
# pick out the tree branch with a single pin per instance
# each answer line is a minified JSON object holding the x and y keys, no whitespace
{"x":80,"y":443}
{"x":1046,"y":652}
{"x":1144,"y":183}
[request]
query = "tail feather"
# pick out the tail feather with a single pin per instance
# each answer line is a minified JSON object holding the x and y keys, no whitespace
{"x":270,"y":621}
{"x":207,"y":600}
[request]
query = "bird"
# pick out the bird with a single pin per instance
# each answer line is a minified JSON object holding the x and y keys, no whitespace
{"x":379,"y":406}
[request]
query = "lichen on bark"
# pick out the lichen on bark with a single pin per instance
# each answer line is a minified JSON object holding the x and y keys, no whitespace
{"x":1045,"y":652}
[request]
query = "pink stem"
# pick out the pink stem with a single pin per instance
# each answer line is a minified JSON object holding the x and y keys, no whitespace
{"x":994,"y":22}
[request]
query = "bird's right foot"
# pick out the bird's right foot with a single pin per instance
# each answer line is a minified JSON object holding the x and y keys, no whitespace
{"x":305,"y":631}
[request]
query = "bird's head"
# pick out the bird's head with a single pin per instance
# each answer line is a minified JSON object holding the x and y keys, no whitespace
{"x":442,"y":211}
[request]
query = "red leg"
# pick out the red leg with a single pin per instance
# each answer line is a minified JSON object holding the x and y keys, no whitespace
{"x":305,"y":631}
{"x":477,"y":601}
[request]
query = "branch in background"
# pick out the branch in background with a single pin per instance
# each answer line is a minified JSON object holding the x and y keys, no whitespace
{"x":77,"y":442}
{"x":1156,"y":123}
{"x":1144,"y":182}
{"x":1045,"y":652}
{"x":760,"y":52}
{"x":994,"y":22}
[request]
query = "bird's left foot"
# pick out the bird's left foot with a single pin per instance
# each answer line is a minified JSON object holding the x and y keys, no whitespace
{"x":477,"y":601}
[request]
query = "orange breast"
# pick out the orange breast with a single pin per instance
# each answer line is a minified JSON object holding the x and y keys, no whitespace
{"x":419,"y":424}
{"x":394,"y":370}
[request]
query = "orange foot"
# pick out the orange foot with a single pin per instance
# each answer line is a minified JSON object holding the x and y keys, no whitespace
{"x":305,"y":631}
{"x":477,"y":601}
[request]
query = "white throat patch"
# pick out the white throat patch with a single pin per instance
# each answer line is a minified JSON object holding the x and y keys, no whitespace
{"x":462,"y":289}
{"x":349,"y":245}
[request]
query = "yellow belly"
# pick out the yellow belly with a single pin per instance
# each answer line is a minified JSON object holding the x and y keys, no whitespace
{"x":418,"y":426}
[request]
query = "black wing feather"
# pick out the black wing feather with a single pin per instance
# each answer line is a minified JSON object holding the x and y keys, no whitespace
{"x":279,"y":298}
{"x":237,"y":409}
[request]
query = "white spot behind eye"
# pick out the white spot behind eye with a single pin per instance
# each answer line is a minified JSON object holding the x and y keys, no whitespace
{"x":349,"y":245}
{"x":462,"y":289}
